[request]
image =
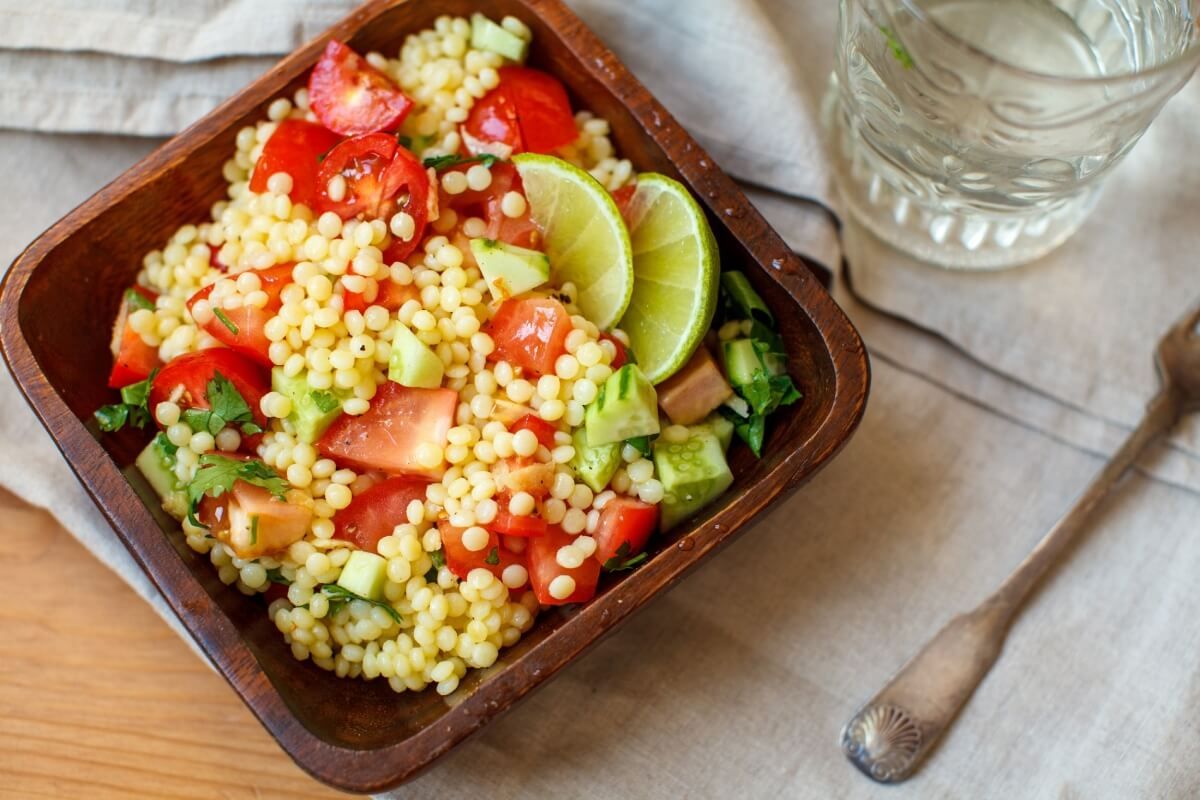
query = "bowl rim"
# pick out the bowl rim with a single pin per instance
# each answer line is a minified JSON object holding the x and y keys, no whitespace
{"x":370,"y":770}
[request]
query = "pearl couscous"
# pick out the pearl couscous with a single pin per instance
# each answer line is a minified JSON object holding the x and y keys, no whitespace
{"x":364,"y":413}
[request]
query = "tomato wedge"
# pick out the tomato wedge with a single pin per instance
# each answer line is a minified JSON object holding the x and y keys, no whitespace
{"x":185,"y":380}
{"x":461,"y":561}
{"x":528,"y":111}
{"x":373,"y":514}
{"x":246,"y":329}
{"x":624,"y":523}
{"x":351,"y":97}
{"x":386,"y":438}
{"x":378,"y":172}
{"x":493,"y":118}
{"x":544,"y":568}
{"x":530,"y":333}
{"x":622,"y":356}
{"x":391,"y":295}
{"x":296,"y":148}
{"x":486,"y":204}
{"x":252,"y":521}
{"x":133,"y":359}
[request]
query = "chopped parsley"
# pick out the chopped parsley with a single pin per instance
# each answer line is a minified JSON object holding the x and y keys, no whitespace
{"x":641,"y":444}
{"x":226,"y":407}
{"x":620,"y":562}
{"x":254,"y":529}
{"x":217,"y":474}
{"x":439,"y":560}
{"x":339,"y":596}
{"x":225,"y":320}
{"x":325,"y":401}
{"x":440,"y":163}
{"x":493,"y":556}
{"x":275,"y":575}
{"x":137,"y":301}
{"x":132,"y":410}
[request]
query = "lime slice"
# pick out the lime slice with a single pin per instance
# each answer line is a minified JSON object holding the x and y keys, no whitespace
{"x":586,"y":239}
{"x":676,"y":268}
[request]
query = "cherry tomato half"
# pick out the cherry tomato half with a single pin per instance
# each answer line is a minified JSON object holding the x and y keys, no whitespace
{"x":246,"y":328}
{"x":373,"y":514}
{"x":295,"y":148}
{"x":351,"y":97}
{"x":184,"y":380}
{"x":530,"y":333}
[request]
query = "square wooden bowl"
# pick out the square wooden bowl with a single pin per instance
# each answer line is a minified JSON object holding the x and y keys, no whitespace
{"x":57,"y":306}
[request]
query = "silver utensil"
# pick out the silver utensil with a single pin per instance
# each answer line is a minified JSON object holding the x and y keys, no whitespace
{"x":893,"y":732}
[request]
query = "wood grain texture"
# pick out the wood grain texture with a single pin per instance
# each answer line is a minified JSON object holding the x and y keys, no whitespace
{"x":358,"y":735}
{"x":100,"y":699}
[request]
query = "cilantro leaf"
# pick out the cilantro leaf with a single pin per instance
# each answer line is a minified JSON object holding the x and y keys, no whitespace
{"x":619,"y":562}
{"x":440,"y":163}
{"x":739,"y":293}
{"x":225,"y":320}
{"x":325,"y":401}
{"x":493,"y":556}
{"x":275,"y":575}
{"x":339,"y":595}
{"x":750,"y":430}
{"x":137,"y":301}
{"x":438,"y":558}
{"x":131,"y":410}
{"x":226,"y":407}
{"x":641,"y":444}
{"x":217,"y":474}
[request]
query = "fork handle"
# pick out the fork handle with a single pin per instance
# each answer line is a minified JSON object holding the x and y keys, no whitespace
{"x":889,"y":736}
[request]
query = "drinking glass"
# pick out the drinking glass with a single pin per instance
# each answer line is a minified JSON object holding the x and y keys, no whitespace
{"x":976,"y":133}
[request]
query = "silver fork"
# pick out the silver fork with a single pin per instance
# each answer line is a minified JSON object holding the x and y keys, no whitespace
{"x":893,"y":732}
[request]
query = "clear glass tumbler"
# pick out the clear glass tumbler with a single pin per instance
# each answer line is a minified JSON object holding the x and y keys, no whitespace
{"x":975,"y":134}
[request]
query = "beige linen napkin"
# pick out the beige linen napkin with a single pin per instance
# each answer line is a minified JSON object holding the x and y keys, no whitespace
{"x":737,"y":682}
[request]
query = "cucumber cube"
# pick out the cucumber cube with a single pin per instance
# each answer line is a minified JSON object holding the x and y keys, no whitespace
{"x":487,"y":35}
{"x":625,"y":408}
{"x":509,"y":270}
{"x":693,"y":474}
{"x":412,"y":363}
{"x":595,"y":464}
{"x":364,"y":575}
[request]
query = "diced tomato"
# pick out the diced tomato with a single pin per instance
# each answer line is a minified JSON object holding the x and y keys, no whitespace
{"x":543,"y":430}
{"x":386,"y":438}
{"x":515,"y":525}
{"x":493,"y":118}
{"x":246,"y":329}
{"x":544,"y":568}
{"x":351,"y":97}
{"x":530,"y":333}
{"x":390,"y":295}
{"x":461,"y":561}
{"x":528,"y":111}
{"x":622,"y":198}
{"x":622,"y":356}
{"x":133,"y":359}
{"x":254,"y":522}
{"x":543,"y":109}
{"x":215,"y":259}
{"x":520,"y":231}
{"x":185,"y":380}
{"x":627,"y":523}
{"x":295,"y":148}
{"x":373,"y":514}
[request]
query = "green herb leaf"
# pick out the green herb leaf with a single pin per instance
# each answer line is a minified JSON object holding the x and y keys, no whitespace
{"x":619,"y":562}
{"x":254,"y":529}
{"x":439,"y":559}
{"x":738,"y":291}
{"x":325,"y":401}
{"x":136,"y":301}
{"x":440,"y":163}
{"x":493,"y":556}
{"x":130,"y":411}
{"x":163,"y":445}
{"x":339,"y":595}
{"x":899,"y":52}
{"x":217,"y":474}
{"x":275,"y":575}
{"x":226,"y":407}
{"x":750,"y":430}
{"x":225,"y":320}
{"x":641,"y":444}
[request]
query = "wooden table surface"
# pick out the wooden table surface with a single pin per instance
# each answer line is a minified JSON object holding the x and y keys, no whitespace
{"x":100,"y":699}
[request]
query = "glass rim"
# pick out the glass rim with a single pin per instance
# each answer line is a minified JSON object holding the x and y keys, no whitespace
{"x":1180,"y":59}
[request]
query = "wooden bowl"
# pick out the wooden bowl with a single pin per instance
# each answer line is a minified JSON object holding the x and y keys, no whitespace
{"x":59,"y":299}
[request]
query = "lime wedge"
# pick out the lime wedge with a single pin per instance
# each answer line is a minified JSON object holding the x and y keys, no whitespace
{"x":676,"y":268}
{"x":585,"y":237}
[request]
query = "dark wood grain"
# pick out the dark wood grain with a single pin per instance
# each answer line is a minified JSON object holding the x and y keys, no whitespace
{"x":58,"y":299}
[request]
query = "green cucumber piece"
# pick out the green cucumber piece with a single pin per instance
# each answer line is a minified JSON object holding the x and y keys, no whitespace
{"x":509,"y":270}
{"x":595,"y":464}
{"x":412,"y":363}
{"x":718,"y":426}
{"x":364,"y":574}
{"x":693,"y":474}
{"x":741,"y":361}
{"x":312,"y":410}
{"x":738,"y":287}
{"x":626,"y":407}
{"x":487,"y":35}
{"x":159,"y":471}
